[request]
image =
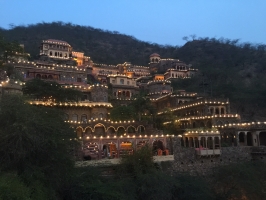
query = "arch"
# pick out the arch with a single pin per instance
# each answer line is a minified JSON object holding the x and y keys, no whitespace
{"x":99,"y":130}
{"x":222,"y":111}
{"x":196,"y":142}
{"x":88,"y":129}
{"x":120,"y":130}
{"x":262,"y":137}
{"x":110,"y":131}
{"x":79,"y":132}
{"x":99,"y":125}
{"x":217,"y":111}
{"x":127,"y":94}
{"x":210,"y":142}
{"x":216,"y":142}
{"x":87,"y":132}
{"x":119,"y":93}
{"x":203,"y":142}
{"x":50,"y":77}
{"x":141,"y":129}
{"x":157,"y":147}
{"x":51,"y":53}
{"x":249,"y":139}
{"x":191,"y":142}
{"x":131,"y":129}
{"x":38,"y":76}
{"x":241,"y":137}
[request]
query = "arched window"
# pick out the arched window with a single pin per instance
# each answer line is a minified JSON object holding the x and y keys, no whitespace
{"x":51,"y":53}
{"x":100,"y":115}
{"x":222,"y":111}
{"x":55,"y":53}
{"x":84,"y":118}
{"x":75,"y":117}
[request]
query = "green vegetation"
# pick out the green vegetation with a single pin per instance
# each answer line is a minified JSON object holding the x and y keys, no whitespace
{"x":227,"y":68}
{"x":35,"y":149}
{"x":50,"y":90}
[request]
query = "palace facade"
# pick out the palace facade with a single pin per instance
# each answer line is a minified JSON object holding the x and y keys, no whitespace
{"x":204,"y":123}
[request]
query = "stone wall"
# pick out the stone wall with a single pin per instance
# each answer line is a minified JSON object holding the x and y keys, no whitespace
{"x":185,"y":159}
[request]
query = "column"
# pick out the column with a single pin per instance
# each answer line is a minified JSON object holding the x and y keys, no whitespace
{"x":246,"y":138}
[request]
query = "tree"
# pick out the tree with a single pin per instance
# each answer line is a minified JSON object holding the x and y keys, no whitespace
{"x":9,"y":50}
{"x":122,"y":113}
{"x":35,"y":144}
{"x":143,"y":106}
{"x":50,"y":90}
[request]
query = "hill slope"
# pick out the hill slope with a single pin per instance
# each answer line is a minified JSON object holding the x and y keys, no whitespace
{"x":227,"y":68}
{"x":102,"y":46}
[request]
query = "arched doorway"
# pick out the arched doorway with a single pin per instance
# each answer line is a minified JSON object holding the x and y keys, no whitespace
{"x":87,"y":133}
{"x":99,"y":130}
{"x":241,"y":137}
{"x":111,"y":131}
{"x":157,"y":146}
{"x":249,"y":139}
{"x":262,"y":137}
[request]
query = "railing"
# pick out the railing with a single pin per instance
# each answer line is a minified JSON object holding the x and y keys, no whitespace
{"x":207,"y":152}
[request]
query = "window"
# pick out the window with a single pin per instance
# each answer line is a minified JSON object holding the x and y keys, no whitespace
{"x":113,"y":81}
{"x":84,"y":118}
{"x":51,"y":53}
{"x":78,"y":79}
{"x":122,"y":81}
{"x":128,"y":82}
{"x":75,"y":117}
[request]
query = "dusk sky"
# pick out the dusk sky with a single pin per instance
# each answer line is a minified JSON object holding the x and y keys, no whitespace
{"x":157,"y":21}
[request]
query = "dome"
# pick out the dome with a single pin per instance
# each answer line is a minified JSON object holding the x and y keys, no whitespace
{"x":155,"y":55}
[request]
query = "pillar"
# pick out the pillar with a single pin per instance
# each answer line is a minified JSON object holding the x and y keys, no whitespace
{"x":246,"y":138}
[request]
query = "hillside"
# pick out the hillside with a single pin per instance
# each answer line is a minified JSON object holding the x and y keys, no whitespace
{"x":102,"y":46}
{"x":227,"y":67}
